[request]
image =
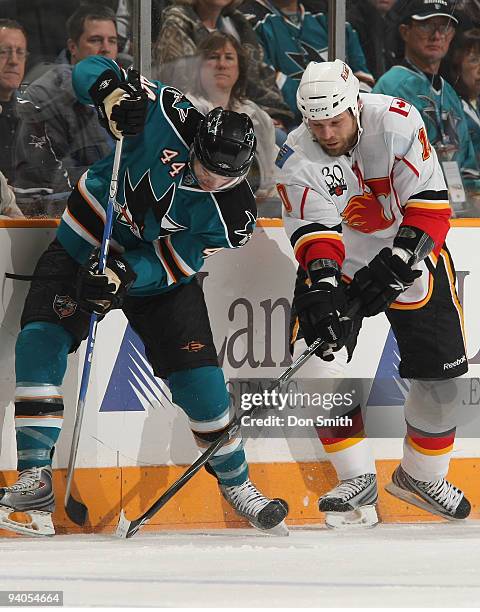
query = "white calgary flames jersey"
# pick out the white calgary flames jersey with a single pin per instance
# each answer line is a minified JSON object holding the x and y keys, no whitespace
{"x":348,"y":208}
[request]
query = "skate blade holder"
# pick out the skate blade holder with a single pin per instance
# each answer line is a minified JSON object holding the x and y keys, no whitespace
{"x":365,"y":516}
{"x":33,"y":523}
{"x":280,"y":530}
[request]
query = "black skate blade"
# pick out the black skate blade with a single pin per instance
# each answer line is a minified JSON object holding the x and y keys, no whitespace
{"x":76,"y":511}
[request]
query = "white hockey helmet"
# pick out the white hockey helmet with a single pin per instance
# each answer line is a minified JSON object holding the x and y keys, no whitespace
{"x":326,"y":90}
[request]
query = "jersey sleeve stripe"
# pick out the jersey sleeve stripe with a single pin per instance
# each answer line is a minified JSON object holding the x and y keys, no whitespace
{"x":302,"y":242}
{"x":182,"y":266}
{"x":84,"y":211}
{"x":428,"y":205}
{"x":304,"y":198}
{"x":410,"y":165}
{"x":78,"y":228}
{"x":174,"y":265}
{"x":90,"y":199}
{"x":430,"y":195}
{"x":157,"y":245}
{"x":323,"y":249}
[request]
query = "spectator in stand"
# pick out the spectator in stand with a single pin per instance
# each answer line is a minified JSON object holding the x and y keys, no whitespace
{"x":468,"y":13}
{"x":292,"y":37}
{"x":428,"y":30}
{"x":220,"y":80}
{"x":186,"y":23}
{"x":368,"y":18}
{"x":13,"y":55}
{"x":463,"y":72}
{"x":59,"y":137}
{"x":8,"y":206}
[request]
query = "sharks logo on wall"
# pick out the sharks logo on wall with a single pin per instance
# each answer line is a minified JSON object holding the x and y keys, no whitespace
{"x":388,"y":388}
{"x":134,"y":388}
{"x":133,"y":385}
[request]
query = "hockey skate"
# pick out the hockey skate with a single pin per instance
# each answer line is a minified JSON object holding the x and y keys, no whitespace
{"x":263,"y":513}
{"x":439,"y":497}
{"x":351,"y":503}
{"x":26,"y":507}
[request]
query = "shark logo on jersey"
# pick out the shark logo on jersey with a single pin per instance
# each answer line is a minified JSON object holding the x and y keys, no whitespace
{"x":247,"y":231}
{"x":180,"y":104}
{"x":139,"y":200}
{"x":365,"y":213}
{"x":310,"y":54}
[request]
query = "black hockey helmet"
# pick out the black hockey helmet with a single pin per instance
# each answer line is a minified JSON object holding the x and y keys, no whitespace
{"x":225,"y":143}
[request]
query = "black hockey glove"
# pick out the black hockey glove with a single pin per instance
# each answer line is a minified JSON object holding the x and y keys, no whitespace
{"x":121,"y":106}
{"x":319,"y":311}
{"x":100,"y":293}
{"x":379,"y":284}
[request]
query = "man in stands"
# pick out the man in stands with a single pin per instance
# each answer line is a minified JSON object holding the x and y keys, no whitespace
{"x":13,"y":55}
{"x":60,"y":137}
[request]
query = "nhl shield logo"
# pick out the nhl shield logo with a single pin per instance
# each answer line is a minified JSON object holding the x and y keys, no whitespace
{"x":64,"y":306}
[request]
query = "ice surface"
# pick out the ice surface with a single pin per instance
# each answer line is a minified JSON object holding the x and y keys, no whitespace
{"x":419,"y":565}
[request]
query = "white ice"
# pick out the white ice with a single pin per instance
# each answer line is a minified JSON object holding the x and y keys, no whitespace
{"x":421,"y":565}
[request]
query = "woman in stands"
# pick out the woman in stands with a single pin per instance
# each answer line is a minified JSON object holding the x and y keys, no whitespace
{"x":220,"y":80}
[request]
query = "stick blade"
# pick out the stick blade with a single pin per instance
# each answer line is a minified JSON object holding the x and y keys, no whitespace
{"x":125,"y":528}
{"x":76,"y":511}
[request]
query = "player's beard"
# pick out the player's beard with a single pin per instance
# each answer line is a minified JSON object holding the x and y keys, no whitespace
{"x":343,"y":147}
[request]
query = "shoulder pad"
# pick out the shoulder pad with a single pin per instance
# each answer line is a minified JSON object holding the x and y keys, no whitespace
{"x":181,"y":114}
{"x":238,"y":213}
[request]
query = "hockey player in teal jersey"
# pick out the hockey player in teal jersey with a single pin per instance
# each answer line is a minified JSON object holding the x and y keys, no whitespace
{"x":182,"y":196}
{"x":293,"y":39}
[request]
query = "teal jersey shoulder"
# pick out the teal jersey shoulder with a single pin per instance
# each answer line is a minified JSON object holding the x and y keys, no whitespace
{"x":289,"y":46}
{"x":473,"y":121}
{"x":164,"y":225}
{"x":441,"y":110}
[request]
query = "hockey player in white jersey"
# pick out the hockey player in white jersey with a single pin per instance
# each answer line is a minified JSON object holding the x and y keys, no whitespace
{"x":366,"y":210}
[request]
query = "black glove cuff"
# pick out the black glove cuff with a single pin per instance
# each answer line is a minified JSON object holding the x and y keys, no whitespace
{"x":415,"y":241}
{"x":107,"y":82}
{"x":318,"y":269}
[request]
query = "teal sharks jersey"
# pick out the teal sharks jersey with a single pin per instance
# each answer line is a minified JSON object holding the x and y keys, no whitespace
{"x":290,"y":46}
{"x":472,"y":114}
{"x":441,"y":111}
{"x":164,"y":224}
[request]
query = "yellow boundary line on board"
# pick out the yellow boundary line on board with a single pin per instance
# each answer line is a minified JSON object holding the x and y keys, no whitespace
{"x":199,"y":505}
{"x":262,"y":222}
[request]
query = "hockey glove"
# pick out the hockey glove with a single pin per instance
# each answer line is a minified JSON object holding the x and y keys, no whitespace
{"x":319,"y":313}
{"x":121,"y":106}
{"x":379,"y":284}
{"x":100,"y":293}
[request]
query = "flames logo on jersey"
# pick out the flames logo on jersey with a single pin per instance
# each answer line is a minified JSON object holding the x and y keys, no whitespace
{"x":365,"y":213}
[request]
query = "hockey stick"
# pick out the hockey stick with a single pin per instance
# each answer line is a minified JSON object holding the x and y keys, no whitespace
{"x":76,"y":510}
{"x":126,"y":528}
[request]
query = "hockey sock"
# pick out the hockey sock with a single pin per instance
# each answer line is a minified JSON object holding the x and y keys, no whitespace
{"x":40,"y":363}
{"x":202,"y":394}
{"x":430,"y":413}
{"x":347,"y":447}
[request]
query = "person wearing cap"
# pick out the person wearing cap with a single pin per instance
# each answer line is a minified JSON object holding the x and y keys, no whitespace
{"x":366,"y":211}
{"x":427,"y":31}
